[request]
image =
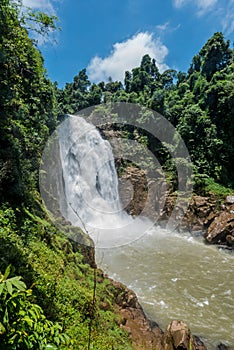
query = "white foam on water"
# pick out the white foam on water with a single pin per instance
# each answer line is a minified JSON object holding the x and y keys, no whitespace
{"x":175,"y":275}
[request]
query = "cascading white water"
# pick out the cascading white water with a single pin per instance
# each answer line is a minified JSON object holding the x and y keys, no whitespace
{"x":88,"y":170}
{"x":175,"y":276}
{"x":91,"y":186}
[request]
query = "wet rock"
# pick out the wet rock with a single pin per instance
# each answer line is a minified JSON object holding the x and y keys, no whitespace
{"x":210,"y":218}
{"x":178,"y":337}
{"x":230,"y":239}
{"x":199,"y":343}
{"x":222,"y":346}
{"x":202,"y":206}
{"x":153,"y":197}
{"x":144,"y":333}
{"x":141,"y":194}
{"x":221,"y":229}
{"x":230,"y":199}
{"x":195,"y":217}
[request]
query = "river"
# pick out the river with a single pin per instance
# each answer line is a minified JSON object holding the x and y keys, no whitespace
{"x":177,"y":276}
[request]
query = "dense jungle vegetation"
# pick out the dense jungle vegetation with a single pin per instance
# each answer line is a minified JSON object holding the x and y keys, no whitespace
{"x":199,"y":103}
{"x":51,"y":305}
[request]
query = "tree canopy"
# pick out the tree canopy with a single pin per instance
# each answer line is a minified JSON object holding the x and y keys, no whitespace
{"x":199,"y":103}
{"x":51,"y":306}
{"x":28,"y":105}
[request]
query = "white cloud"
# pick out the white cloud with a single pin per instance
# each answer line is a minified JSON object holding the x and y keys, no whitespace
{"x":202,"y":5}
{"x":221,"y":10}
{"x":43,"y":5}
{"x":163,"y":27}
{"x":228,"y":18}
{"x":166,"y":28}
{"x":180,"y":3}
{"x":205,"y":6}
{"x":46,"y":6}
{"x":127,"y":55}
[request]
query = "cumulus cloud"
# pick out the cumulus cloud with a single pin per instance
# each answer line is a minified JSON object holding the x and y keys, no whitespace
{"x":127,"y":55}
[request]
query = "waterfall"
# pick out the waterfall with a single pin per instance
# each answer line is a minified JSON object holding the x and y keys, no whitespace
{"x":91,"y":186}
{"x":174,"y":275}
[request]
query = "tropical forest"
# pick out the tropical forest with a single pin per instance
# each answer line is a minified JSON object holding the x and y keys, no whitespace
{"x":54,"y":290}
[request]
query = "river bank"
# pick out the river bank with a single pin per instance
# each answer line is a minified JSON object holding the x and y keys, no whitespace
{"x":146,"y":334}
{"x":208,"y":220}
{"x":178,"y":277}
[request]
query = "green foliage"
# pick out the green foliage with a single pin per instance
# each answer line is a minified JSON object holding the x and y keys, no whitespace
{"x":215,"y":55}
{"x":56,"y":312}
{"x":75,"y":96}
{"x":27,"y":105}
{"x":200,"y":104}
{"x":34,"y":21}
{"x":207,"y":186}
{"x":23,"y":324}
{"x":62,"y":287}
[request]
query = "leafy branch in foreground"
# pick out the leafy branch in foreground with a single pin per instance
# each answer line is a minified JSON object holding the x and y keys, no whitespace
{"x":35,"y":21}
{"x":23,"y":324}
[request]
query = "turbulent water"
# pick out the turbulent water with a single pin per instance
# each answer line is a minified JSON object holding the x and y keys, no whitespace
{"x":179,"y":277}
{"x":175,"y":276}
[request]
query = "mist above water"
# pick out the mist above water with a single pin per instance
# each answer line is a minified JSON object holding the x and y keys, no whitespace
{"x":175,"y":276}
{"x":91,"y":187}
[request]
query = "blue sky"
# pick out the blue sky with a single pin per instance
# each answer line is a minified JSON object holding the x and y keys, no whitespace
{"x":108,"y":36}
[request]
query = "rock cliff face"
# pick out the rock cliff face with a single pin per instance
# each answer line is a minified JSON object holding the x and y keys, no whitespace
{"x":220,"y":227}
{"x":204,"y":215}
{"x":143,"y":333}
{"x":178,"y":336}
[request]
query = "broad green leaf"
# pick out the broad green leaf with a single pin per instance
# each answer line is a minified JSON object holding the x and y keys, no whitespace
{"x":57,"y":340}
{"x":2,"y":285}
{"x":6,"y":317}
{"x":33,"y":314}
{"x":9,"y":287}
{"x":2,"y":329}
{"x":20,"y":285}
{"x":7,"y":272}
{"x":50,"y":347}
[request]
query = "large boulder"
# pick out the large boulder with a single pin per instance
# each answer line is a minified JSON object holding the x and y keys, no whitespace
{"x":221,"y":229}
{"x":178,"y":337}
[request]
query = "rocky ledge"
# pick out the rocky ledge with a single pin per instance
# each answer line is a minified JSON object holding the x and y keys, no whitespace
{"x":203,"y":216}
{"x":206,"y":216}
{"x":146,"y":334}
{"x":220,"y":225}
{"x":211,"y":218}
